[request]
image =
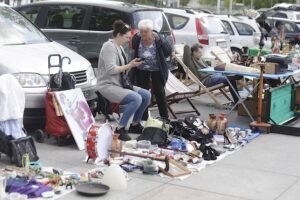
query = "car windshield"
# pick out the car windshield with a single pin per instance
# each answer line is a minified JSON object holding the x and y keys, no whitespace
{"x":159,"y":22}
{"x":213,"y":25}
{"x":16,"y":30}
{"x":298,"y":17}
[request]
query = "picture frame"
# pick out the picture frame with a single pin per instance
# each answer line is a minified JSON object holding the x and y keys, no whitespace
{"x":176,"y":169}
{"x":77,"y":114}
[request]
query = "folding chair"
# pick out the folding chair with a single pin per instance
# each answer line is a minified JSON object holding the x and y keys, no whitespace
{"x":176,"y":91}
{"x":221,"y":55}
{"x":191,"y":73}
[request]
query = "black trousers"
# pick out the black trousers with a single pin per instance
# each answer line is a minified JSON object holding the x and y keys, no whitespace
{"x":158,"y":87}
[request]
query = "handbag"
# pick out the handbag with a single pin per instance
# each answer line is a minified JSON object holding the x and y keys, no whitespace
{"x":156,"y":132}
{"x":125,"y":81}
{"x":156,"y":123}
{"x":21,"y":147}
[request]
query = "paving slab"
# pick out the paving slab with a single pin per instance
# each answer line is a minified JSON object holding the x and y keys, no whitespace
{"x":135,"y":188}
{"x":239,"y":182}
{"x":292,"y":193}
{"x":270,"y":152}
{"x":173,"y":192}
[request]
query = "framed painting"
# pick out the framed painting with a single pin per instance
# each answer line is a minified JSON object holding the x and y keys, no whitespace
{"x":77,"y":114}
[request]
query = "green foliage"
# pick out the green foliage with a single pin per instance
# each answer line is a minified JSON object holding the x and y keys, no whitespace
{"x":184,"y":2}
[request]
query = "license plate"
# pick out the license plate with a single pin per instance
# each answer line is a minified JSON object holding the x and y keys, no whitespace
{"x":221,"y":44}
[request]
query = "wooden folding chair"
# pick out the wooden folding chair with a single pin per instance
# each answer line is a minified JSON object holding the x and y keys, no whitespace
{"x":185,"y":64}
{"x":176,"y":91}
{"x":223,"y":56}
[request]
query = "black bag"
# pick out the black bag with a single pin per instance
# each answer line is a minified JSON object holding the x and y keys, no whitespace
{"x":125,"y":80}
{"x":68,"y":82}
{"x":5,"y":145}
{"x":155,"y":136}
{"x":103,"y":105}
{"x":23,"y":146}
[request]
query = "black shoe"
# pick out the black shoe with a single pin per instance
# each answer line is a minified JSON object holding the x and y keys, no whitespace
{"x":138,"y":129}
{"x":123,"y":134}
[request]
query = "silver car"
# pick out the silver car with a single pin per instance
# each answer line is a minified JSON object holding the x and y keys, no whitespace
{"x":24,"y":52}
{"x":190,"y":27}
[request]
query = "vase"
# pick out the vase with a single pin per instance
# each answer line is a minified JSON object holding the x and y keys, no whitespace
{"x":222,"y":123}
{"x":213,"y":125}
{"x":210,"y":120}
{"x":116,"y":146}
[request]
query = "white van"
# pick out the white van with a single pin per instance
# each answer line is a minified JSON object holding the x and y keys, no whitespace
{"x":24,"y":52}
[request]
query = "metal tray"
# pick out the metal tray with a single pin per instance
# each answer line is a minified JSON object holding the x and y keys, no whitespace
{"x":92,"y":189}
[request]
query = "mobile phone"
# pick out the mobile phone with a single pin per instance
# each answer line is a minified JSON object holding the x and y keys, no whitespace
{"x":142,"y":59}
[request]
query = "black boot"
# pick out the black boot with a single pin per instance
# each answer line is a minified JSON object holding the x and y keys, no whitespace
{"x":123,"y":134}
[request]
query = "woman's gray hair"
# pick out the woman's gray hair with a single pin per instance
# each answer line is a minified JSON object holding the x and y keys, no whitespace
{"x":145,"y":24}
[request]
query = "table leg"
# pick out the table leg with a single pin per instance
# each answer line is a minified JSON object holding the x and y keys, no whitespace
{"x":241,"y":100}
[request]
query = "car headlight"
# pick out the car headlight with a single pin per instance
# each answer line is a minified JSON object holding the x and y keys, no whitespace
{"x":91,"y":74}
{"x":30,"y":80}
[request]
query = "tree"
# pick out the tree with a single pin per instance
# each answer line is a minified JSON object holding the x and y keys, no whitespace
{"x":184,"y":2}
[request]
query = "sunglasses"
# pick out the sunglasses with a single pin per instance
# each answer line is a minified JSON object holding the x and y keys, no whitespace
{"x":126,"y":27}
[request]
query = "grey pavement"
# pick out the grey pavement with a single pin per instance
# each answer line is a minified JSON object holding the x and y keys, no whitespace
{"x":268,"y":168}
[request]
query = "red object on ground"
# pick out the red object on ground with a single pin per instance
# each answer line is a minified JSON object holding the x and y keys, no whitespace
{"x":56,"y":126}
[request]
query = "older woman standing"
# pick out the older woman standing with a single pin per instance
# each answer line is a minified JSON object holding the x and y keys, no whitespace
{"x":112,"y":62}
{"x":154,"y":50}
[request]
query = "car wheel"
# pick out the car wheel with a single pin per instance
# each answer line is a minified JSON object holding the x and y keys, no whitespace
{"x":236,"y":54}
{"x":39,"y":136}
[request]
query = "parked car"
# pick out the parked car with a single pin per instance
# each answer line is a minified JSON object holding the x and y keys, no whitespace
{"x":24,"y":52}
{"x":84,"y":26}
{"x":285,"y":11}
{"x":243,"y":32}
{"x":190,"y":27}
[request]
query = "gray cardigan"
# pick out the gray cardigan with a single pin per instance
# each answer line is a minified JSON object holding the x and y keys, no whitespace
{"x":108,"y":79}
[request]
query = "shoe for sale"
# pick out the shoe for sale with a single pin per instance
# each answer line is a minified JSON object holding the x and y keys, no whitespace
{"x":138,"y":129}
{"x":230,"y":136}
{"x":123,"y":134}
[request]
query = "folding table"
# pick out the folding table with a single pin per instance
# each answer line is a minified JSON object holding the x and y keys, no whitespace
{"x":285,"y":76}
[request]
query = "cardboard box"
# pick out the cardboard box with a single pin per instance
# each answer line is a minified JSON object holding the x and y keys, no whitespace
{"x":297,"y":94}
{"x":252,"y":107}
{"x":270,"y":68}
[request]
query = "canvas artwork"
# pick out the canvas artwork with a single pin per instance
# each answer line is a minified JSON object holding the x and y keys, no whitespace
{"x":77,"y":113}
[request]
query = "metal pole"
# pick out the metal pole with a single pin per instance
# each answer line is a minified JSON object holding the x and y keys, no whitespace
{"x":251,"y":4}
{"x":230,"y":6}
{"x":218,"y":6}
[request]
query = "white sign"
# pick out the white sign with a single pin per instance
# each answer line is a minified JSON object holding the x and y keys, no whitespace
{"x":77,"y":113}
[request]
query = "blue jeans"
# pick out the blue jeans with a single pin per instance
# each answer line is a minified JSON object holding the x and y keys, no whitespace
{"x":135,"y":104}
{"x":217,"y":79}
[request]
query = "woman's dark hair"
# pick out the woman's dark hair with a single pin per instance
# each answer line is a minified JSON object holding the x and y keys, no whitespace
{"x":278,"y":23}
{"x":120,"y":27}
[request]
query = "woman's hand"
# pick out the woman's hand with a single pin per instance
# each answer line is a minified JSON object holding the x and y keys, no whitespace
{"x":135,"y":62}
